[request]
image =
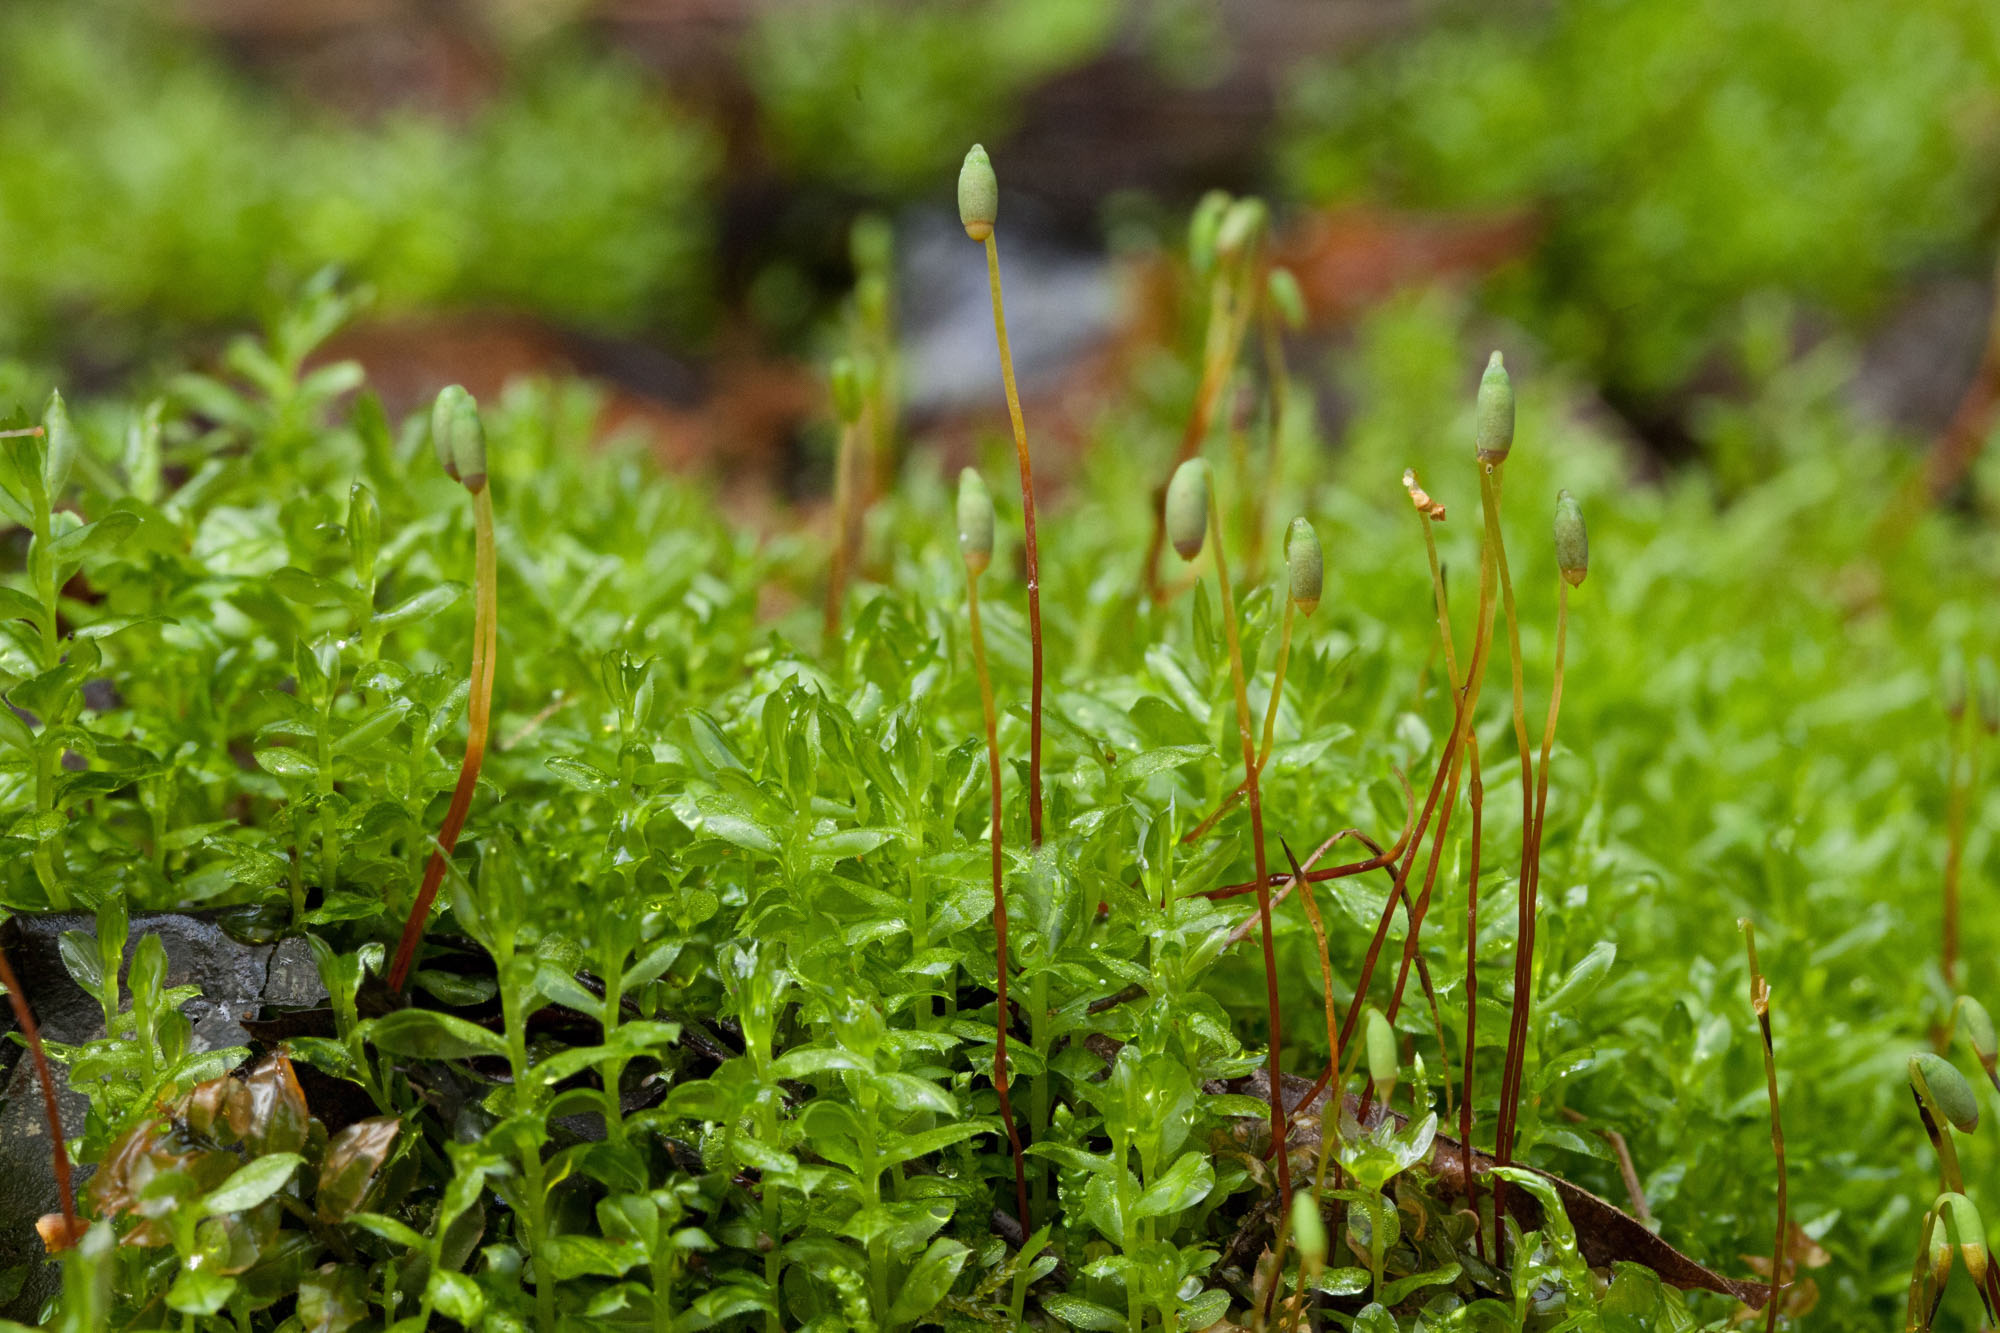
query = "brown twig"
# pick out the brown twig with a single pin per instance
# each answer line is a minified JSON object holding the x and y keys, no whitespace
{"x":58,"y":1150}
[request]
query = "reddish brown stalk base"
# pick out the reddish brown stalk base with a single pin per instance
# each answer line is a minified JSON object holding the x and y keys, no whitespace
{"x":1031,"y":551}
{"x":1002,"y":1016}
{"x":1476,"y":794}
{"x":1530,"y":893}
{"x":485,"y":648}
{"x":1243,"y":728}
{"x":58,"y":1151}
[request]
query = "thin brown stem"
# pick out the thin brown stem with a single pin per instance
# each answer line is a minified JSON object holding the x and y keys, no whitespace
{"x":1228,"y":317}
{"x":1270,"y":727}
{"x":1243,"y":728}
{"x":843,"y":534}
{"x":1000,"y":1012}
{"x":1278,"y":386}
{"x":1476,"y":797}
{"x":1954,"y":851}
{"x":485,"y":650}
{"x":1031,"y":551}
{"x":1760,"y":1000}
{"x":58,"y":1150}
{"x":1517,"y":1034}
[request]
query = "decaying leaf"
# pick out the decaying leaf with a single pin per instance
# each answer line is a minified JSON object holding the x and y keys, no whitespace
{"x":352,"y":1159}
{"x":1605,"y":1234}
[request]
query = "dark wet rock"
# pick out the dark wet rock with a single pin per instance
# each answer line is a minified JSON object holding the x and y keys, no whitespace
{"x":236,"y":981}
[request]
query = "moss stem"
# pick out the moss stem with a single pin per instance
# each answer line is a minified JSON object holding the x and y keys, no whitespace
{"x":1002,"y":1017}
{"x":1031,"y":551}
{"x":1248,"y":737}
{"x":485,"y":649}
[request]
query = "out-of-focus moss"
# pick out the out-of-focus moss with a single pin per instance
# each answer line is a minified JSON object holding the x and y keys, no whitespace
{"x":142,"y":185}
{"x":1686,"y":155}
{"x":882,"y":98}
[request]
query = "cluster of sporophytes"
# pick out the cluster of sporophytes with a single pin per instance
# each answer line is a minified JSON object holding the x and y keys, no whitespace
{"x":755,"y":992}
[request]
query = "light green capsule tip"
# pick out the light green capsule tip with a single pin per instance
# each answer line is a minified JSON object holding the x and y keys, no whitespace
{"x":978,"y":194}
{"x":845,"y":380}
{"x":1202,"y":227}
{"x":1187,"y":507}
{"x":975,"y":521}
{"x":1286,"y":297}
{"x":1495,"y":434}
{"x":443,"y":411}
{"x":1947,"y":1089}
{"x":1381,"y":1050}
{"x":459,"y":436}
{"x":1308,"y":1228}
{"x":1241,"y":226}
{"x":1977,"y":1025}
{"x":1572,"y":540}
{"x":1306,"y":564}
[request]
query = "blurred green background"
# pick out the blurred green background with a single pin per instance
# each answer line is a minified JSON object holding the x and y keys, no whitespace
{"x":657,"y":186}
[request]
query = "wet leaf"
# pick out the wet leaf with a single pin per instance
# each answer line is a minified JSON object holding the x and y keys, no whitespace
{"x":353,"y":1156}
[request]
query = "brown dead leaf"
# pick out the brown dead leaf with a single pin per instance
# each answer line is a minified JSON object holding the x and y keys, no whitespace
{"x":1605,"y":1234}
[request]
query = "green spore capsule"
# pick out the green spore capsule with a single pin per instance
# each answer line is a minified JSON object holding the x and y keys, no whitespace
{"x":1308,"y":1230}
{"x":459,"y":437}
{"x":1241,"y":226}
{"x":1203,"y":224}
{"x":978,"y":194}
{"x":1572,"y":541}
{"x":1495,"y":434}
{"x":1382,"y":1066}
{"x":1282,"y":290}
{"x":1938,"y":1079}
{"x":1961,"y":1219}
{"x":1306,"y":564}
{"x":975,"y":521}
{"x":844,"y":377}
{"x":1187,"y":507}
{"x":871,"y":243}
{"x":1976,"y":1025}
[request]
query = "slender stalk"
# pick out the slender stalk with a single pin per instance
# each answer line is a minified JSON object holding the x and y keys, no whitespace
{"x":1760,"y":1000}
{"x":1476,"y":796}
{"x":1964,"y":762}
{"x":1002,"y":1017}
{"x":1524,"y":960}
{"x":843,"y":533}
{"x":1329,"y":1125}
{"x":485,"y":649}
{"x":1228,"y":317}
{"x":1243,"y":728}
{"x":1489,"y":495}
{"x":1030,"y":549}
{"x":58,"y":1150}
{"x":1277,"y":378}
{"x":1200,"y":830}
